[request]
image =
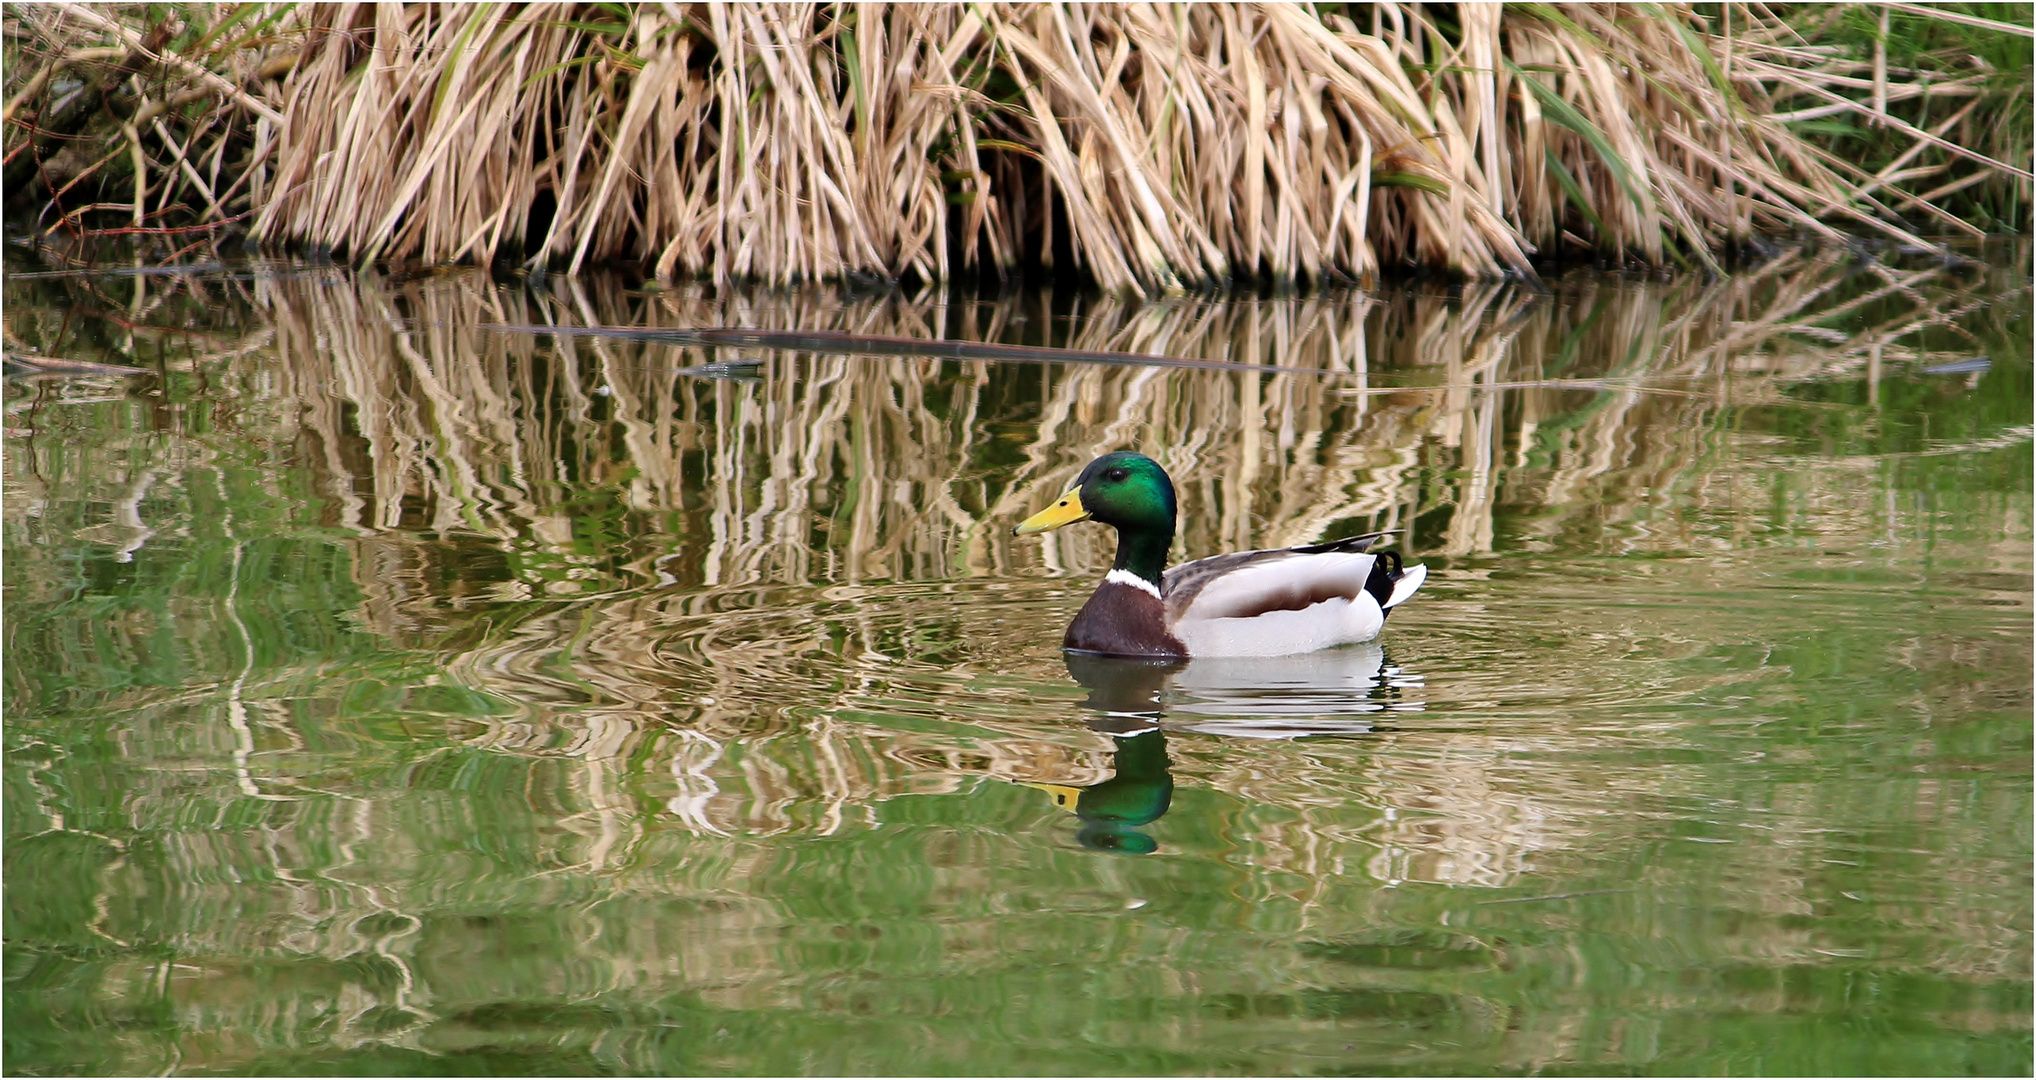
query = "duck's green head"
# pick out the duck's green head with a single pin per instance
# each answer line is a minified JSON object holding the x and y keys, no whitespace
{"x":1123,"y":489}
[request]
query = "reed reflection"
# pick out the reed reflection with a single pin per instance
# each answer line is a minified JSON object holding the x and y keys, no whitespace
{"x":753,"y":594}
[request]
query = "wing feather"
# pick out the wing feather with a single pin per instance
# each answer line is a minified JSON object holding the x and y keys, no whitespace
{"x":1182,"y":584}
{"x":1281,"y":581}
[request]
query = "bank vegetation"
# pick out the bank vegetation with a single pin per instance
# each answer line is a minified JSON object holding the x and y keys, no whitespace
{"x":1145,"y":147}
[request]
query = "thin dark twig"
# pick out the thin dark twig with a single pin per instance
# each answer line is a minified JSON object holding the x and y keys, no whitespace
{"x":835,"y":341}
{"x":132,"y":230}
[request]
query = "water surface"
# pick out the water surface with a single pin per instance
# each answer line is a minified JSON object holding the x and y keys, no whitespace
{"x":389,"y":692}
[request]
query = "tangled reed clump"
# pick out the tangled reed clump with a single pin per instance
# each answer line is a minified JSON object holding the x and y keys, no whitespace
{"x":1154,"y":146}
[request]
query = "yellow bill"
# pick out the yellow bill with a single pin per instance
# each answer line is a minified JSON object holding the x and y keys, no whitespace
{"x":1065,"y":510}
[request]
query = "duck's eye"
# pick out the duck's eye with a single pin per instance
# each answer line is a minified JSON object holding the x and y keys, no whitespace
{"x":1117,"y":475}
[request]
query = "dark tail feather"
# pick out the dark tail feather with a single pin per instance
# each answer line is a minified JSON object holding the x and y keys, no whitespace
{"x":1380,"y":583}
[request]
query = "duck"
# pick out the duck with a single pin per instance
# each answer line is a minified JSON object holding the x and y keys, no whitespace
{"x":1277,"y":602}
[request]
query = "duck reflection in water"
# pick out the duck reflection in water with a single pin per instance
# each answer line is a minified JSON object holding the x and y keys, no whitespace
{"x":1138,"y":701}
{"x":1124,"y":692}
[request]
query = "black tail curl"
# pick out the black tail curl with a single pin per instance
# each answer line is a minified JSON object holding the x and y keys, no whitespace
{"x":1380,"y":583}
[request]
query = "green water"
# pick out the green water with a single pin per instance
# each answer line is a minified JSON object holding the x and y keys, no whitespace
{"x":391,"y":693}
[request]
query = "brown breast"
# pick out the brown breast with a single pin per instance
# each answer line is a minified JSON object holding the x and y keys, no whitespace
{"x":1121,"y":620}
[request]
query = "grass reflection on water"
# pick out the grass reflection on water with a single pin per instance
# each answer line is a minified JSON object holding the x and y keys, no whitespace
{"x":389,"y":694}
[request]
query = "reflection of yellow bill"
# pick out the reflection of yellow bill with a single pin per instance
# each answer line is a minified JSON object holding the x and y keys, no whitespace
{"x":1063,"y":796}
{"x":1065,"y":510}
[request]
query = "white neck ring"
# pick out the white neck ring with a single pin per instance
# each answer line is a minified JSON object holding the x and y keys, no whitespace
{"x":1126,"y":577}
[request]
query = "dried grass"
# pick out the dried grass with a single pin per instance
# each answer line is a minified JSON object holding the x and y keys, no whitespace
{"x":1160,"y":146}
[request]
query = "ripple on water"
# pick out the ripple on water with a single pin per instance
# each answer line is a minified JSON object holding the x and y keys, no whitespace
{"x":1560,"y":642}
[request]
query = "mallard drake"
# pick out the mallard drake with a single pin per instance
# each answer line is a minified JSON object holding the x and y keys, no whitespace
{"x":1249,"y":603}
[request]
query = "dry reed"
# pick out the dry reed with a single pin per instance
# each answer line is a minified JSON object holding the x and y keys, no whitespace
{"x":1158,"y":146}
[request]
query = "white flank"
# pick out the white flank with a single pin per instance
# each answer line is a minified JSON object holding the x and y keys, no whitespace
{"x":1126,"y":577}
{"x":1333,"y":622}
